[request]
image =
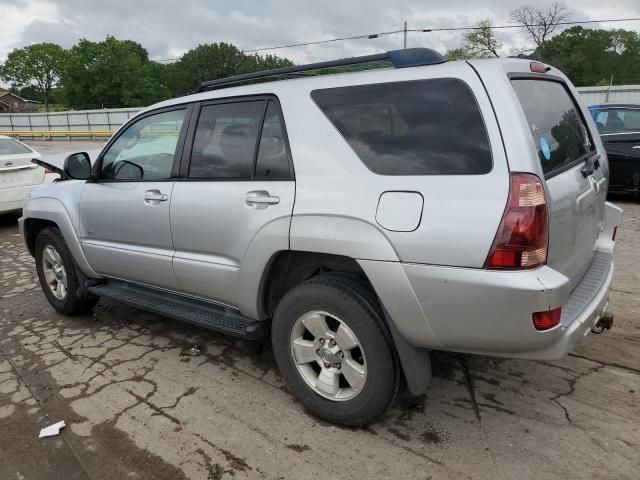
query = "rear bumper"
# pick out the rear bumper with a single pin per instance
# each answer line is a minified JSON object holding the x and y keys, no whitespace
{"x":490,"y":312}
{"x":13,"y":198}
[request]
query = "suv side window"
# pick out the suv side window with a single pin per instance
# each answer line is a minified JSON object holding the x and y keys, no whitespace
{"x":421,"y":127}
{"x":146,"y":150}
{"x":273,"y":160}
{"x":225,"y":141}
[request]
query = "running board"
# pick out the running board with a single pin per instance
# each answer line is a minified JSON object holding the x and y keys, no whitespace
{"x":214,"y":317}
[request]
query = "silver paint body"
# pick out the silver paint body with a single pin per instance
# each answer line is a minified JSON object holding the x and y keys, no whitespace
{"x":423,"y":252}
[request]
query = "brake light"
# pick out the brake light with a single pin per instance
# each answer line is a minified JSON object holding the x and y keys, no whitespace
{"x":538,"y":67}
{"x":523,"y":235}
{"x":548,"y":319}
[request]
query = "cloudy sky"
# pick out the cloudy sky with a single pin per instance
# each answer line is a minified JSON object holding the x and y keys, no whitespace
{"x":168,"y":28}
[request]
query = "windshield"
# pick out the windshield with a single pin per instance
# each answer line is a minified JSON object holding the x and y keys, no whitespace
{"x":9,"y":146}
{"x":555,"y":123}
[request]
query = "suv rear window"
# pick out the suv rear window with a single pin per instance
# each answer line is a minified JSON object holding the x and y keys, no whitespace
{"x":422,"y":127}
{"x":555,"y":123}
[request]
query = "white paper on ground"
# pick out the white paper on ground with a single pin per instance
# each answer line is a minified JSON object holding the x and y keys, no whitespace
{"x":52,"y":430}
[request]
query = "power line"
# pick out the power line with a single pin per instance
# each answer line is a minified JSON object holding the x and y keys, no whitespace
{"x":427,"y":30}
{"x":370,"y":36}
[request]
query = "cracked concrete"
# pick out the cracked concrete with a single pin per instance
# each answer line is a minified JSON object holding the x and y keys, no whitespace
{"x":137,"y":407}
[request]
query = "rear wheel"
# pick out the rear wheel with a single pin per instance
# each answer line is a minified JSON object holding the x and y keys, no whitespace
{"x":335,"y":352}
{"x":59,"y":278}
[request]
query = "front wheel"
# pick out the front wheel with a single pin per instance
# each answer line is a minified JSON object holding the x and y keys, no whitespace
{"x":335,"y":352}
{"x":59,"y":279}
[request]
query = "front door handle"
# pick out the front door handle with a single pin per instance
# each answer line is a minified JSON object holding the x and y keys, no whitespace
{"x":261,"y":199}
{"x":153,"y":197}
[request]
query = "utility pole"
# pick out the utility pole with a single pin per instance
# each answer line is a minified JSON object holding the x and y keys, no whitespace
{"x":405,"y":35}
{"x":609,"y":89}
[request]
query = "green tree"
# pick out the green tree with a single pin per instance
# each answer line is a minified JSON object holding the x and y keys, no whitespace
{"x":217,"y":60}
{"x":112,"y":73}
{"x":592,"y":57}
{"x":478,"y":43}
{"x":37,"y":66}
{"x":481,"y":42}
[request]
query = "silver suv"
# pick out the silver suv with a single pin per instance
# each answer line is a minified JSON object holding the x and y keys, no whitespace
{"x":361,"y":219}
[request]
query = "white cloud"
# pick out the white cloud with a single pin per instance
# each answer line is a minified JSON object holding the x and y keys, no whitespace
{"x":167,"y":28}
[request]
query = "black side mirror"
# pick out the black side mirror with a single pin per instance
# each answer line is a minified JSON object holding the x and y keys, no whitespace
{"x":78,"y":166}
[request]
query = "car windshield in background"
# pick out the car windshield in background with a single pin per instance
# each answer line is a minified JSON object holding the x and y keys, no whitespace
{"x":8,"y":146}
{"x":423,"y":127}
{"x":617,"y":120}
{"x":556,"y":125}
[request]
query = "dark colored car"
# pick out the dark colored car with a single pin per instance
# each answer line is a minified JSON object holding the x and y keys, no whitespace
{"x":619,"y":126}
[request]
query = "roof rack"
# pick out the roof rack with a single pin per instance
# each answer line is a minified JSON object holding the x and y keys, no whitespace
{"x":411,"y":57}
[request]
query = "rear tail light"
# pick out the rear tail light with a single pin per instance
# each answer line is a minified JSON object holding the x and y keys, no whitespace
{"x":548,"y":319}
{"x":523,"y":234}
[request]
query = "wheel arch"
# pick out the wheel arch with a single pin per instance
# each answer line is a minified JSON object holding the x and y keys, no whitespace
{"x":49,"y":212}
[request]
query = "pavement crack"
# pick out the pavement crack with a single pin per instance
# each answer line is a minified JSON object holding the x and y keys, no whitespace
{"x":608,"y":364}
{"x":190,"y":391}
{"x":154,"y":407}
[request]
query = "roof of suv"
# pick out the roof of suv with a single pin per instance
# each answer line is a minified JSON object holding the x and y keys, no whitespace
{"x":238,"y":87}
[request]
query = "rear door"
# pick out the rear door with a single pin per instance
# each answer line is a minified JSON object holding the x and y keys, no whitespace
{"x":237,"y":184}
{"x":16,"y":169}
{"x":570,"y":163}
{"x":620,"y":132}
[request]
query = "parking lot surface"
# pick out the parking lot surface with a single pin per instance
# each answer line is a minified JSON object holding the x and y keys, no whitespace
{"x":140,"y":403}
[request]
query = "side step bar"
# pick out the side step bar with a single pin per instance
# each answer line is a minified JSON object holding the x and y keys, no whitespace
{"x":214,"y":317}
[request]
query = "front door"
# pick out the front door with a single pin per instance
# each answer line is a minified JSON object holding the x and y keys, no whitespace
{"x":237,"y":195}
{"x":124,"y":215}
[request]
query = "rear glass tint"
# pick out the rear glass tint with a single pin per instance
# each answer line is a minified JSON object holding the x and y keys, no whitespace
{"x":9,"y":146}
{"x":556,"y":125}
{"x":424,"y":127}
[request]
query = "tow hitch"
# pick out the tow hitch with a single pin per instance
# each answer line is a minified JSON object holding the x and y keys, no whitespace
{"x":604,"y":323}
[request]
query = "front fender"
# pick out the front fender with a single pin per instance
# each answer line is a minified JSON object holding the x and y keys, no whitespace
{"x":53,"y":210}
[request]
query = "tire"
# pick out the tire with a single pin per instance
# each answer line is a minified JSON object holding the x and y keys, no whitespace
{"x":73,"y":299}
{"x":342,"y":302}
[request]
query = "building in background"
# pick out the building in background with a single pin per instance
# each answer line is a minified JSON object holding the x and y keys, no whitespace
{"x":12,"y":103}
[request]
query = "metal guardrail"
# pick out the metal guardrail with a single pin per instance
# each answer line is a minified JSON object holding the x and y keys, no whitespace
{"x":49,"y":134}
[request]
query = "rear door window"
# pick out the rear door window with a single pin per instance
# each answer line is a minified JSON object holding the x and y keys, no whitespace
{"x":273,"y":159}
{"x":225,"y":142}
{"x":555,"y":122}
{"x":423,"y":127}
{"x":9,"y":146}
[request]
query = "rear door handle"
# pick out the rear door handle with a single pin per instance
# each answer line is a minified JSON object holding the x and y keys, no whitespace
{"x":153,"y":197}
{"x":261,"y":199}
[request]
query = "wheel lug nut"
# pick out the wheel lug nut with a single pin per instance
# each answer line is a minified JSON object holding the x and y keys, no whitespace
{"x":332,"y":342}
{"x":341,"y":354}
{"x":322,"y":341}
{"x":326,"y":365}
{"x":339,"y":366}
{"x":318,"y":351}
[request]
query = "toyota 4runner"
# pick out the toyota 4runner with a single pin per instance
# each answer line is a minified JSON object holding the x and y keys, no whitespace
{"x":361,"y":219}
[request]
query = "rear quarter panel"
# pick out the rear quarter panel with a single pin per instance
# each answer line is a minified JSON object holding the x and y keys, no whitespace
{"x":461,"y":212}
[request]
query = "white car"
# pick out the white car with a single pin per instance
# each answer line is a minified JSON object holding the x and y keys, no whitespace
{"x":18,"y":175}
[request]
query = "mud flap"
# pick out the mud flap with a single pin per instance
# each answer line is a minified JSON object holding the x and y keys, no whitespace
{"x":416,"y":362}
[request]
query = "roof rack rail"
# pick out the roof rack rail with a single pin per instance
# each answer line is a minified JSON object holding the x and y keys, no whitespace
{"x":410,"y":57}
